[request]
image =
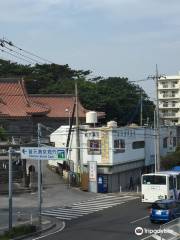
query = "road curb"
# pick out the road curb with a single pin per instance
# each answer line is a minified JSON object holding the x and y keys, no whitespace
{"x":38,"y":232}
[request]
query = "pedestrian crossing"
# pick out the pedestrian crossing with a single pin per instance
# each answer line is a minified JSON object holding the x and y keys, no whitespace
{"x":89,"y":206}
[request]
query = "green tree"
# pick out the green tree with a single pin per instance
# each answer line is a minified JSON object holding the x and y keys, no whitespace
{"x":116,"y":96}
{"x":171,"y":160}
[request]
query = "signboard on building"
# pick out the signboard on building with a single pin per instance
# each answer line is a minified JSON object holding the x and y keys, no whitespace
{"x":92,"y":176}
{"x":92,"y":171}
{"x":43,"y":153}
{"x":105,"y":146}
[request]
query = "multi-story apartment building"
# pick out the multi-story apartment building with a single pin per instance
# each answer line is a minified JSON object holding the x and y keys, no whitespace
{"x":169,"y":99}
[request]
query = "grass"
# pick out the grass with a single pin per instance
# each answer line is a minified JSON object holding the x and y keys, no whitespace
{"x":18,"y":231}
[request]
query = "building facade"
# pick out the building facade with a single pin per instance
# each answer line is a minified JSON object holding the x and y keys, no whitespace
{"x":121,"y":153}
{"x":169,"y":99}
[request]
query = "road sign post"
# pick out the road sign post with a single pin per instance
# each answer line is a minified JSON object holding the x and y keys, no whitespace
{"x":40,"y":154}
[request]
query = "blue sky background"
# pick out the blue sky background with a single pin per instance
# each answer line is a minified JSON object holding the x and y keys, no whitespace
{"x":110,"y":37}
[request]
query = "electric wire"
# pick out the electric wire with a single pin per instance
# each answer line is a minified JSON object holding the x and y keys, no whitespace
{"x":28,"y":52}
{"x":33,"y":60}
{"x":4,"y":51}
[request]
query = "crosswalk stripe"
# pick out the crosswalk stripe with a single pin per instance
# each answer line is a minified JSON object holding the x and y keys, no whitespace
{"x":105,"y":199}
{"x":97,"y":203}
{"x":58,"y":216}
{"x":83,"y":211}
{"x":65,"y":213}
{"x":94,"y":201}
{"x":98,"y":207}
{"x":102,"y":201}
{"x":80,"y":209}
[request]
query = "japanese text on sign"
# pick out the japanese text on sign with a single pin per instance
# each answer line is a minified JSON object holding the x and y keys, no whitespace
{"x":43,"y":153}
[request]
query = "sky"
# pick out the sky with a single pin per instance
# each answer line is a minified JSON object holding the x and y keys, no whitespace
{"x":122,"y":38}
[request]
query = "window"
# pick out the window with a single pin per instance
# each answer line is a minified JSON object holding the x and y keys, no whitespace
{"x":174,"y":84}
{"x":171,"y":182}
{"x":174,"y":103}
{"x":178,"y":182}
{"x":165,"y":142}
{"x":94,"y":147}
{"x":138,"y":144}
{"x":154,"y":179}
{"x":173,"y":94}
{"x":165,"y":94}
{"x":119,"y":145}
{"x":165,"y":85}
{"x":174,"y":141}
{"x":160,"y":206}
{"x":165,"y":104}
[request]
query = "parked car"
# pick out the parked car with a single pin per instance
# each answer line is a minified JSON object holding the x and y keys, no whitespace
{"x":164,"y":210}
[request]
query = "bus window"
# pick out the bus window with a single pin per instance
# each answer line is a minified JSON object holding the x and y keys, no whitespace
{"x":154,"y":179}
{"x":178,"y":182}
{"x":174,"y":182}
{"x":171,"y":182}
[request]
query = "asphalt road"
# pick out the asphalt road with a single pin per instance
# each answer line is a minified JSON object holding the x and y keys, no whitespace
{"x":111,"y":224}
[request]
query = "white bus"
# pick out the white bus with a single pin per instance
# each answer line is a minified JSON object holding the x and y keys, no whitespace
{"x":160,"y":185}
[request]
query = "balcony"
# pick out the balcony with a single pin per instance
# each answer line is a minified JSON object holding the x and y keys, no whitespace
{"x":169,"y":115}
{"x":167,"y":95}
{"x":168,"y":86}
{"x":169,"y":105}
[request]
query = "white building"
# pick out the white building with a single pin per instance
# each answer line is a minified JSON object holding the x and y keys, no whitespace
{"x":120,"y":152}
{"x":169,"y":99}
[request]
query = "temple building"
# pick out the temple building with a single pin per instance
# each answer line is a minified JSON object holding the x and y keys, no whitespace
{"x":20,"y":112}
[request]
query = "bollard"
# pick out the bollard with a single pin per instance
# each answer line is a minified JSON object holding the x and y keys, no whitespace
{"x":137,"y":189}
{"x":120,"y":189}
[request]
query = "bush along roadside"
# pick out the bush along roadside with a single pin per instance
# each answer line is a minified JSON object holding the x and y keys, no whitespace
{"x":18,"y":232}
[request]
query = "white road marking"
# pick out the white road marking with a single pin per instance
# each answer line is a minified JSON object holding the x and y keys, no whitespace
{"x":174,"y":233}
{"x":137,"y":220}
{"x":105,"y":200}
{"x":157,"y":237}
{"x":47,"y":235}
{"x":87,"y":207}
{"x":99,"y":203}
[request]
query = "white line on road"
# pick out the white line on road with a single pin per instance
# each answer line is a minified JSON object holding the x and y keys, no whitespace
{"x":157,"y":237}
{"x":137,"y":220}
{"x":59,"y":230}
{"x":110,"y":199}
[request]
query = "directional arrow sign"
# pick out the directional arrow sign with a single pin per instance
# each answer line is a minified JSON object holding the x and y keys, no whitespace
{"x":43,"y":153}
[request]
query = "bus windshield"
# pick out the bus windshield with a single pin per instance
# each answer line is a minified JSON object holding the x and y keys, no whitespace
{"x":154,"y":179}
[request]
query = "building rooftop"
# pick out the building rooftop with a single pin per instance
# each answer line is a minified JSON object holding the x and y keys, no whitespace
{"x":15,"y":102}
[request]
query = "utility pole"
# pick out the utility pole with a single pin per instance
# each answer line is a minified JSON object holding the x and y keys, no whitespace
{"x":10,"y":188}
{"x":156,"y":77}
{"x":155,"y":141}
{"x":39,"y":175}
{"x":141,"y":110}
{"x":77,"y":129}
{"x":157,"y":123}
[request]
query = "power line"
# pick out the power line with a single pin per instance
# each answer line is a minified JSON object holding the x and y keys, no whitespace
{"x":33,"y":60}
{"x":28,"y":52}
{"x":2,"y":50}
